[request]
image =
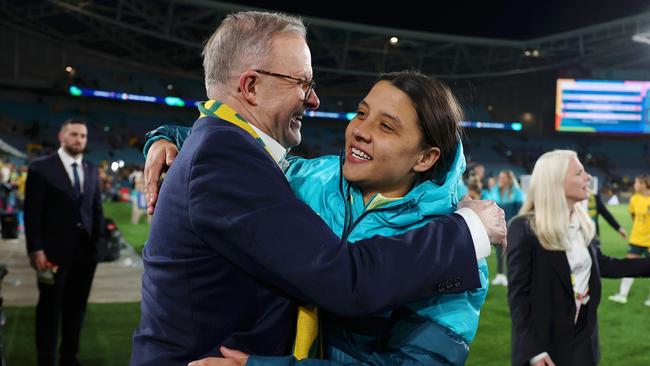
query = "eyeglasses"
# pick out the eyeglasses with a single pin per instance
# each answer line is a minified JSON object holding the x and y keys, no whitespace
{"x":306,"y":85}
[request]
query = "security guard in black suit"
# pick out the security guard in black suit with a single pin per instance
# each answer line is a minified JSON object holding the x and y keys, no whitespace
{"x":65,"y":231}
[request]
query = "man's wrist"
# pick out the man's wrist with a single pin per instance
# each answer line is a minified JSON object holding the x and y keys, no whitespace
{"x":477,"y":231}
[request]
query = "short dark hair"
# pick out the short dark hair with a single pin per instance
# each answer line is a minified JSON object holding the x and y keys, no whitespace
{"x":72,"y":121}
{"x":439,"y":116}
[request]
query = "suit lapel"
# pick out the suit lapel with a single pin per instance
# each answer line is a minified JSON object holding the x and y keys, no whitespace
{"x":561,"y":267}
{"x":88,"y":185}
{"x":594,"y":279}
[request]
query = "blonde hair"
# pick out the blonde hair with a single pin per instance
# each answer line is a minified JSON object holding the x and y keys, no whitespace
{"x":243,"y":40}
{"x":474,"y":187}
{"x":546,"y":203}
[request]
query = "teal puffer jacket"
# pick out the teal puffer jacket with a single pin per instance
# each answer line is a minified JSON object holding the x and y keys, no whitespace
{"x":320,"y":184}
{"x":435,"y":331}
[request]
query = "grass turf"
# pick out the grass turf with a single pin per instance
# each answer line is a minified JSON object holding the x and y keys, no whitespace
{"x":135,"y":234}
{"x":106,"y":338}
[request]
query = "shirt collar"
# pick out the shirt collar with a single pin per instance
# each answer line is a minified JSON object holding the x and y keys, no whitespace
{"x":277,"y":151}
{"x":574,"y":235}
{"x":67,"y":159}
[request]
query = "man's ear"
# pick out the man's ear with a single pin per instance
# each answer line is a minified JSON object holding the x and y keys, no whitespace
{"x":248,"y":83}
{"x":427,"y":159}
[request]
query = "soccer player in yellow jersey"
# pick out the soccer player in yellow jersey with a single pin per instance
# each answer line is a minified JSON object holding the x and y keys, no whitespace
{"x":640,"y":238}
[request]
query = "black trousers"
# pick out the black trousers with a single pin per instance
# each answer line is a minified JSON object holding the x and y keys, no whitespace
{"x":501,"y":260}
{"x":63,"y":301}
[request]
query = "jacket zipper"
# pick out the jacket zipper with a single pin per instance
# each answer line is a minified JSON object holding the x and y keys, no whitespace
{"x":349,"y":227}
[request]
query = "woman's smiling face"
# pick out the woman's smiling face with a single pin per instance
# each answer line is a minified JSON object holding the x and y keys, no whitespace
{"x":384,"y":143}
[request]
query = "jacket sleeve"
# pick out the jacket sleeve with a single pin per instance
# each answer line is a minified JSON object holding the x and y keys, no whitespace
{"x":300,"y":169}
{"x":272,"y":235}
{"x":99,"y":223}
{"x":617,"y":267}
{"x":604,"y":212}
{"x":34,"y":205}
{"x":308,"y":178}
{"x":521,"y":243}
{"x":172,"y":133}
{"x":412,"y":340}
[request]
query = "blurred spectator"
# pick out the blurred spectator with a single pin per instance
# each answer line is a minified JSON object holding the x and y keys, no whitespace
{"x":509,"y":197}
{"x":138,"y":200}
{"x":597,"y":208}
{"x":474,"y":188}
{"x":639,"y":208}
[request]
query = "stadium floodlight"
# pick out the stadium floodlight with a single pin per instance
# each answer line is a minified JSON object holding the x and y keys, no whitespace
{"x":642,"y":37}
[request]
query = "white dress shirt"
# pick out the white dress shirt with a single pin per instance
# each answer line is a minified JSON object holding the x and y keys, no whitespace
{"x":476,"y":228}
{"x":67,"y":161}
{"x":278,"y":152}
{"x":580,"y":262}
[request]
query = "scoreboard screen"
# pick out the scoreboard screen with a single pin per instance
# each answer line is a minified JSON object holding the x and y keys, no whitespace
{"x":602,"y":106}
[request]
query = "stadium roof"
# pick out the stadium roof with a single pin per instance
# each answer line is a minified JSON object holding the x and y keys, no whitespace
{"x":505,"y":19}
{"x":349,"y":47}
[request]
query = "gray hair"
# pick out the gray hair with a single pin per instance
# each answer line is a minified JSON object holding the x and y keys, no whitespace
{"x":242,"y":40}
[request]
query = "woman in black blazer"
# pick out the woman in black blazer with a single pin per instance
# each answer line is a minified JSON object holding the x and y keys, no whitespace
{"x":555,"y":265}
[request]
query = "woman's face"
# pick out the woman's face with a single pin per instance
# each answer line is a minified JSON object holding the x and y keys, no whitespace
{"x":576,"y":182}
{"x":504,"y":180}
{"x":639,"y":186}
{"x":491,"y":182}
{"x":383,"y":143}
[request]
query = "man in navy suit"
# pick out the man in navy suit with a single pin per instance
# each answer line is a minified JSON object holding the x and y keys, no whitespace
{"x":232,"y":251}
{"x":64,"y":228}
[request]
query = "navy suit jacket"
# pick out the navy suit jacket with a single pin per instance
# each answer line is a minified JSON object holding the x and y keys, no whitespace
{"x":232,"y":251}
{"x":67,"y":229}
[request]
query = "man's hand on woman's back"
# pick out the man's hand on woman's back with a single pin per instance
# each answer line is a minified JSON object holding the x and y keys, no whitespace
{"x":160,"y":157}
{"x":492,"y":217}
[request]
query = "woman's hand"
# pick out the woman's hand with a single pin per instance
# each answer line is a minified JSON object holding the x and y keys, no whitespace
{"x":546,"y":361}
{"x":231,"y":358}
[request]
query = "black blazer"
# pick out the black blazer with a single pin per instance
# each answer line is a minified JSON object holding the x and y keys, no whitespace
{"x":540,"y":295}
{"x":67,"y":229}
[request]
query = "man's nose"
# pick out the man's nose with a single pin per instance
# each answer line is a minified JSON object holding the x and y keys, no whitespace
{"x":312,"y":102}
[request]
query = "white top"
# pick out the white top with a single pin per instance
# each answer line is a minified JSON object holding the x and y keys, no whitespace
{"x":5,"y":174}
{"x":278,"y":152}
{"x":579,"y":260}
{"x":67,"y":161}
